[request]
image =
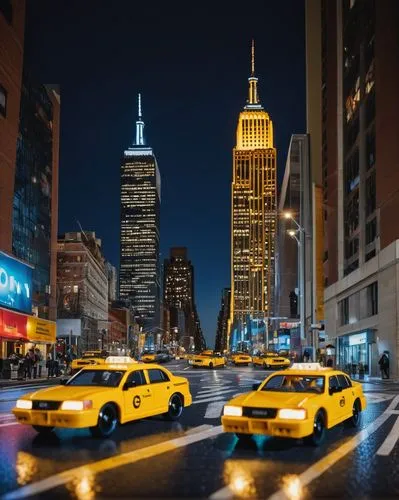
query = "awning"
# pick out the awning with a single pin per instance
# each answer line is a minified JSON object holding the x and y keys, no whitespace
{"x":17,"y":326}
{"x":12,"y":325}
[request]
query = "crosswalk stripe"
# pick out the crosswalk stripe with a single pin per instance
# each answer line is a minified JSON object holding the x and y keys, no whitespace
{"x":210,"y":393}
{"x":214,"y":409}
{"x":207,"y":400}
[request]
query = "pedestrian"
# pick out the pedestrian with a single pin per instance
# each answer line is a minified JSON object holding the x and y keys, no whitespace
{"x":28,"y":363}
{"x":39,"y":361}
{"x":306,"y":356}
{"x":50,"y":366}
{"x":384,"y":365}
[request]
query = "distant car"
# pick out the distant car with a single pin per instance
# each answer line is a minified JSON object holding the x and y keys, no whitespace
{"x":102,"y":396}
{"x":300,"y":402}
{"x":150,"y":357}
{"x":242,"y":359}
{"x":270,"y":360}
{"x":88,"y":358}
{"x":205,"y":359}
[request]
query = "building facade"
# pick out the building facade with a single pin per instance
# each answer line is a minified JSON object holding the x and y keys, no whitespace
{"x":358,"y":59}
{"x":254,"y":214}
{"x":12,"y":26}
{"x":112,"y":275}
{"x":139,"y":274}
{"x":178,"y":297}
{"x":223,"y":322}
{"x":82,"y":289}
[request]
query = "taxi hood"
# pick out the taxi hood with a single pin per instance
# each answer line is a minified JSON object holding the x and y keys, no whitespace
{"x":271,"y":399}
{"x":64,"y":392}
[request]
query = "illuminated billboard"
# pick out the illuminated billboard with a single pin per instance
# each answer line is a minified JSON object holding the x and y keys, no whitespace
{"x":15,"y":284}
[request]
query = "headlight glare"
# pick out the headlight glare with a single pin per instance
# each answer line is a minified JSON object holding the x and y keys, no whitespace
{"x":24,"y":404}
{"x":292,"y":414}
{"x":76,"y":405}
{"x":232,"y":411}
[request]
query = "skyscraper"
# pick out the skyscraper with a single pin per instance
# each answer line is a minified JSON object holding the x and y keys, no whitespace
{"x":139,"y":277}
{"x":179,"y":299}
{"x":253,"y":221}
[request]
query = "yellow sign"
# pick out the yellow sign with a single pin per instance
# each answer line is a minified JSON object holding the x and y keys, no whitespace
{"x":41,"y":330}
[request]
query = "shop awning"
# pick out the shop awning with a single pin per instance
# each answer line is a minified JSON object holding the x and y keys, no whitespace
{"x":12,"y":325}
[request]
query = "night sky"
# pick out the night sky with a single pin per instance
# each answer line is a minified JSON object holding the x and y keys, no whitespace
{"x":190,"y":61}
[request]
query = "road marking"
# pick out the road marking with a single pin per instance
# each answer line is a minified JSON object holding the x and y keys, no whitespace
{"x":216,"y":392}
{"x":17,"y":388}
{"x":186,"y":368}
{"x":214,"y":410}
{"x":378,"y":397}
{"x":8,"y":424}
{"x":207,"y":400}
{"x":200,"y":428}
{"x":111,"y":463}
{"x":317,"y":469}
{"x":390,"y":441}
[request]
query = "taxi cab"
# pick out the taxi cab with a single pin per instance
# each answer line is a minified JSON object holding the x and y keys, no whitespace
{"x":88,"y":358}
{"x":102,"y":396}
{"x":149,"y":357}
{"x":300,"y":402}
{"x":241,"y":359}
{"x":270,"y":360}
{"x":208,"y":359}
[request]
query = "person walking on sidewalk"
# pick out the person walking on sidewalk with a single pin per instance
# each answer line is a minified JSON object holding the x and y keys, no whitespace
{"x":384,"y":366}
{"x":50,"y":366}
{"x":39,"y":362}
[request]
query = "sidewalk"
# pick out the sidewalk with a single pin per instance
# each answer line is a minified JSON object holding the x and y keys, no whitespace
{"x":8,"y":383}
{"x":377,"y":380}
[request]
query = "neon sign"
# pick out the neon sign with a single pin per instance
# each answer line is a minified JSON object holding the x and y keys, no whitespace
{"x":15,"y":284}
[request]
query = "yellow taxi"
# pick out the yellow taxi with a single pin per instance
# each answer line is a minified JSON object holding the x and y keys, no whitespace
{"x":207,"y":359}
{"x":102,"y":396}
{"x":301,"y":402}
{"x":88,"y":358}
{"x":241,"y":359}
{"x":149,"y":357}
{"x":270,"y":360}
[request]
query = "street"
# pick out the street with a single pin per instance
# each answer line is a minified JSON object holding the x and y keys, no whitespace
{"x":193,"y":458}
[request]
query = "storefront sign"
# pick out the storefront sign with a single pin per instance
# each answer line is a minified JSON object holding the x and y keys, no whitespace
{"x":289,"y":325}
{"x":15,"y":284}
{"x":358,"y":338}
{"x":12,"y":325}
{"x":40,"y":330}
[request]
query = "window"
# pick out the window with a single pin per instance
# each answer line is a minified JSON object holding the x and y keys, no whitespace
{"x":344,"y":311}
{"x":371,"y":231}
{"x":102,"y":378}
{"x":136,"y":378}
{"x":3,"y":100}
{"x":157,"y":376}
{"x":6,"y":10}
{"x":343,"y":381}
{"x":372,"y":299}
{"x":333,"y":382}
{"x":370,"y":194}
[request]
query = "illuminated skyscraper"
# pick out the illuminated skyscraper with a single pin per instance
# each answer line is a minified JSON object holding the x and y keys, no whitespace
{"x":139,"y":278}
{"x":253,"y":221}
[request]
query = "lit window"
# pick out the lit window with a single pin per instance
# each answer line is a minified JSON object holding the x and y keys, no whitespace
{"x":3,"y":101}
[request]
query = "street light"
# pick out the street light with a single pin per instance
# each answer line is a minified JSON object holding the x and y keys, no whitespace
{"x":301,"y":270}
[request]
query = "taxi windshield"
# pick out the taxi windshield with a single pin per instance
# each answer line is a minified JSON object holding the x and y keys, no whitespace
{"x":295,"y":383}
{"x":101,"y":378}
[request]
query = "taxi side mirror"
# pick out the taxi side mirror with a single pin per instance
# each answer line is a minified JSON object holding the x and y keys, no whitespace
{"x":333,"y":390}
{"x":255,"y":387}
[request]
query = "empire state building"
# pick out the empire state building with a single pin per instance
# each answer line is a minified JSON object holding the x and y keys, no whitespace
{"x":253,"y":219}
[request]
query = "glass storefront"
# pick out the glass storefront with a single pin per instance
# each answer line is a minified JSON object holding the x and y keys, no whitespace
{"x":355,"y":353}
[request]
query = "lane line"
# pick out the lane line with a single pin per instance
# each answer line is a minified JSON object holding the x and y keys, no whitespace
{"x":9,"y":424}
{"x":204,"y":394}
{"x":321,"y":466}
{"x":207,"y":400}
{"x":111,"y":463}
{"x":214,"y":410}
{"x":390,"y":441}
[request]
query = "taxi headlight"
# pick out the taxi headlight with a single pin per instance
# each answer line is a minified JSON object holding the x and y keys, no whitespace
{"x":77,"y":405}
{"x":24,"y":404}
{"x":292,"y":414}
{"x":232,"y":411}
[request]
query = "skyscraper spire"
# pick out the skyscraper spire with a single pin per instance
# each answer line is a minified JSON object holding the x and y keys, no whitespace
{"x":139,"y":126}
{"x":253,"y":99}
{"x":253,"y":58}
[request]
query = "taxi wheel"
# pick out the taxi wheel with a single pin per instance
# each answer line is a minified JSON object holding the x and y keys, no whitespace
{"x":211,"y":365}
{"x":107,"y":421}
{"x":354,"y":420}
{"x":319,"y":430}
{"x":175,"y":407}
{"x":42,"y":429}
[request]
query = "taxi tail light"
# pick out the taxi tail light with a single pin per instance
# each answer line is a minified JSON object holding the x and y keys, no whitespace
{"x":77,"y":405}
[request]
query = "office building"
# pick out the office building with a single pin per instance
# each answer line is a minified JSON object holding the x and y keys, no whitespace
{"x":253,"y":218}
{"x":139,"y":274}
{"x":112,"y":275}
{"x":223,"y":321}
{"x":353,"y":76}
{"x":178,"y":297}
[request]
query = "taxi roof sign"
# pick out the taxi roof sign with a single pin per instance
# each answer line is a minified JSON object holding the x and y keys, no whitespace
{"x":119,"y":360}
{"x":307,"y":366}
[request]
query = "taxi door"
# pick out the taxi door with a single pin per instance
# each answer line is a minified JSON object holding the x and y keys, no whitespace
{"x":348,"y":396}
{"x":337,"y":401}
{"x":136,"y":396}
{"x":161,"y":389}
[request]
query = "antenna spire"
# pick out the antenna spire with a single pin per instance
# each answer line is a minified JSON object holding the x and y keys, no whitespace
{"x":253,"y":58}
{"x":139,"y":125}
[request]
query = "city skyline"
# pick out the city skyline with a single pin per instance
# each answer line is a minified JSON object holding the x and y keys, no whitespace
{"x":192,"y":109}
